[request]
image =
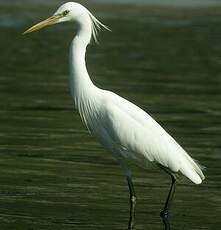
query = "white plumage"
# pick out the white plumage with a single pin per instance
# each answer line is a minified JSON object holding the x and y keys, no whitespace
{"x":120,"y":126}
{"x":124,"y":128}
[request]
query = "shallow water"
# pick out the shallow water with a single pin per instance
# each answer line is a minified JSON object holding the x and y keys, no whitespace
{"x":53,"y":174}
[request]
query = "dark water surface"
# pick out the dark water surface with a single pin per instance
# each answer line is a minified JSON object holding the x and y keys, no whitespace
{"x":53,"y":174}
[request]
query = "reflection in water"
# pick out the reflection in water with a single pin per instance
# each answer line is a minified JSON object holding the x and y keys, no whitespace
{"x":55,"y":175}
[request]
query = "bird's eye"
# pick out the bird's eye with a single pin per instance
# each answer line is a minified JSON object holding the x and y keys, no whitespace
{"x":65,"y":12}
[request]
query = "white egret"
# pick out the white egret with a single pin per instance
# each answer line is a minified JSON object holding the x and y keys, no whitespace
{"x":120,"y":126}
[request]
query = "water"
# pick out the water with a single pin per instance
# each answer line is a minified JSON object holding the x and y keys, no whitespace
{"x":53,"y":174}
{"x":173,"y":3}
{"x":176,"y":3}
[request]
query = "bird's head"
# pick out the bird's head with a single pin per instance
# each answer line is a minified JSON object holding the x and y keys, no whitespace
{"x":70,"y":11}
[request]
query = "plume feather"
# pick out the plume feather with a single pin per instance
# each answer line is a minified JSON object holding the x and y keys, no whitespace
{"x":96,"y":26}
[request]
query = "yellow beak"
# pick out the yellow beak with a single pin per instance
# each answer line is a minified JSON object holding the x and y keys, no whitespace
{"x":49,"y":21}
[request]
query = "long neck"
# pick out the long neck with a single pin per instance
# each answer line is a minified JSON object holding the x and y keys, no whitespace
{"x":80,"y":81}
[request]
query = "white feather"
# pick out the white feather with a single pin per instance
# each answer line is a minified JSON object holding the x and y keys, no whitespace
{"x":124,"y":128}
{"x":96,"y":26}
{"x":120,"y":126}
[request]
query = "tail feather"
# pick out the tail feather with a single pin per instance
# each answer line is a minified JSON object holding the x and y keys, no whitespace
{"x":192,"y":170}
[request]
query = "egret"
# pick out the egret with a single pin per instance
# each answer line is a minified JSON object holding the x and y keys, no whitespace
{"x":123,"y":128}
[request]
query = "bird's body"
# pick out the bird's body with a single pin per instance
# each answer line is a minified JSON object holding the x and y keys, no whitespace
{"x":120,"y":126}
{"x":125,"y":129}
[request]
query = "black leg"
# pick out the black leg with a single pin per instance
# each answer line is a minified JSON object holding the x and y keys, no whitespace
{"x":133,"y":198}
{"x":165,"y":212}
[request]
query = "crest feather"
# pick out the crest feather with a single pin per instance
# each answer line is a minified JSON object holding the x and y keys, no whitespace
{"x":96,"y":26}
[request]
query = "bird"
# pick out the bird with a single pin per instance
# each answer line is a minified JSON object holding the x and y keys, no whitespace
{"x":123,"y":128}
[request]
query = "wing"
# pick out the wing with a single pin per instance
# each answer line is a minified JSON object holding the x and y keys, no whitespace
{"x":141,"y":137}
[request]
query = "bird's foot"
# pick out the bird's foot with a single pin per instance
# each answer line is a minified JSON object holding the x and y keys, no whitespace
{"x":131,"y":224}
{"x":164,"y":214}
{"x":165,"y":217}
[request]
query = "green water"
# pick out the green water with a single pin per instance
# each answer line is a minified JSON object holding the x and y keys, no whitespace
{"x":53,"y":174}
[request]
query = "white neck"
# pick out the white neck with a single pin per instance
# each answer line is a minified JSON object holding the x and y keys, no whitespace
{"x":80,"y":81}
